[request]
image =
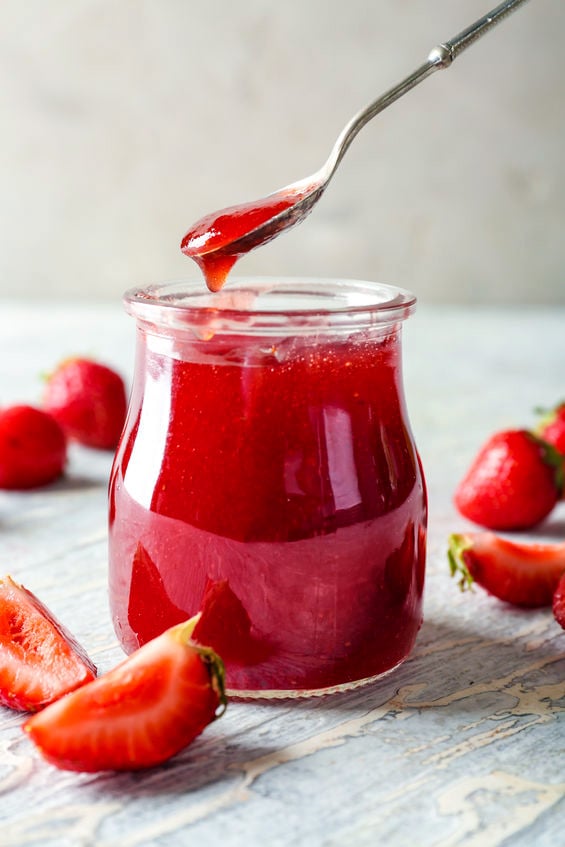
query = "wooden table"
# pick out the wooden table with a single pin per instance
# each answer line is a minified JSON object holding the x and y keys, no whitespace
{"x":460,"y":746}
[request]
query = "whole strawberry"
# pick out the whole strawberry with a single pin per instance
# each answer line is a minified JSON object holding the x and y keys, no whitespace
{"x":33,"y":448}
{"x":88,"y":399}
{"x":513,"y":483}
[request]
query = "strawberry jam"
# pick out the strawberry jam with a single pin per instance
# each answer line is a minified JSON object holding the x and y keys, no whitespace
{"x":267,"y":475}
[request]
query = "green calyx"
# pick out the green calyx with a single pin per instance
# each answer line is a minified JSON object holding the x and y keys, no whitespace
{"x":457,"y":544}
{"x":217,"y":673}
{"x":214,"y":664}
{"x":547,"y":416}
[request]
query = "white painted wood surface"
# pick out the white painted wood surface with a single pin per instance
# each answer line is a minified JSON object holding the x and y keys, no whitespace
{"x":460,"y":747}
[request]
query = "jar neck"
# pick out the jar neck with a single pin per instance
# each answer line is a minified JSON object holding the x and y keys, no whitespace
{"x":270,"y":308}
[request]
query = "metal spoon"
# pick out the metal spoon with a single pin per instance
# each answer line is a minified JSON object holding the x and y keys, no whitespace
{"x":265,"y":226}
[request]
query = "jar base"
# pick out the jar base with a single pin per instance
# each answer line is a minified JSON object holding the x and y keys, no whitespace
{"x":305,"y":693}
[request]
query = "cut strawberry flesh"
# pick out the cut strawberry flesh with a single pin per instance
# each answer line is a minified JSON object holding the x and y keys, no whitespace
{"x":40,"y":661}
{"x":138,"y":715}
{"x":522,"y":574}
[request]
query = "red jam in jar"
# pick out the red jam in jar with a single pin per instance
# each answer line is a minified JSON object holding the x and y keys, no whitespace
{"x":267,"y":473}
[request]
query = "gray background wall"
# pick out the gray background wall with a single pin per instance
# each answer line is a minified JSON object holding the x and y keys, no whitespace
{"x":122,"y":121}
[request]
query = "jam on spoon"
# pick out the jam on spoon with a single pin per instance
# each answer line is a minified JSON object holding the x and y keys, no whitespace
{"x":217,"y":240}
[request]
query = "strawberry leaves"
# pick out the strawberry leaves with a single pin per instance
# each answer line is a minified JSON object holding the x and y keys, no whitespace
{"x":457,"y":546}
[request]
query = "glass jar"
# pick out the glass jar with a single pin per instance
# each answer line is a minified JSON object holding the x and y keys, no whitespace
{"x":267,"y":472}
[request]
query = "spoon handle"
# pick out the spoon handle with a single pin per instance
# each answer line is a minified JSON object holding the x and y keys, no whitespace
{"x":468,"y":36}
{"x":440,"y":57}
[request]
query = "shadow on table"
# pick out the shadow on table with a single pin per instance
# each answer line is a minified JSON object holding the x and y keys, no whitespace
{"x":220,"y":762}
{"x":551,"y":531}
{"x":446,"y":659}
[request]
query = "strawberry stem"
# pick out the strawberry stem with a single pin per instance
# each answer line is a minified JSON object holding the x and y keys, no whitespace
{"x":457,"y":544}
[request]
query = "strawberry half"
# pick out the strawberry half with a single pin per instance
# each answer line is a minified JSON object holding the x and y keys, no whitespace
{"x":33,"y":448}
{"x":514,"y":482}
{"x":559,"y":603}
{"x":521,"y":574}
{"x":39,"y":660}
{"x":89,"y":401}
{"x":141,"y":713}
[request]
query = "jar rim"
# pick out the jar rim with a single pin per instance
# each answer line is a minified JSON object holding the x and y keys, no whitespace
{"x":266,"y":305}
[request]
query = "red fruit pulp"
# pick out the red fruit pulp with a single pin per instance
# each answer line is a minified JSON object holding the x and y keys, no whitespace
{"x":287,"y":478}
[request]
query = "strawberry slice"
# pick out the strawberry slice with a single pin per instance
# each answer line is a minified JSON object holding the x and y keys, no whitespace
{"x":39,"y":660}
{"x":559,"y":603}
{"x":522,"y":574}
{"x":145,"y":710}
